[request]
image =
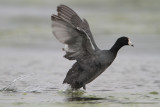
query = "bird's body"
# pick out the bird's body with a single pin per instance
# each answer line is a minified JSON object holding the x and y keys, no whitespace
{"x":75,"y":33}
{"x":86,"y":70}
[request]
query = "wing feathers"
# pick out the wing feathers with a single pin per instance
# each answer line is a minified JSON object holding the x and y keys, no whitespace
{"x":70,"y":30}
{"x":64,"y":32}
{"x":69,"y":15}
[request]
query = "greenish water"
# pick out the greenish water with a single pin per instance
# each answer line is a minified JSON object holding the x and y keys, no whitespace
{"x":32,"y":68}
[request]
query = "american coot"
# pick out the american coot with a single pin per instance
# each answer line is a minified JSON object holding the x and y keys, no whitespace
{"x":75,"y":34}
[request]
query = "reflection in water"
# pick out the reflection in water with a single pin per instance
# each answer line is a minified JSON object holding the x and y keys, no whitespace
{"x":72,"y":93}
{"x":84,"y":99}
{"x":80,"y":97}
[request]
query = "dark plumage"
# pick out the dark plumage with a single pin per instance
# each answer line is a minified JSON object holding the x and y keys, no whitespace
{"x":75,"y":33}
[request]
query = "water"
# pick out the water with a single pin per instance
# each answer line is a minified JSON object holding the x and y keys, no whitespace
{"x":34,"y":77}
{"x":32,"y":68}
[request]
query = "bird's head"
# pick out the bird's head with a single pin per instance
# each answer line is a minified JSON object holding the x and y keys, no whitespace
{"x":122,"y":41}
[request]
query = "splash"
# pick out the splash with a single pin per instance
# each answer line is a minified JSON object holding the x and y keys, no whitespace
{"x":12,"y":86}
{"x":69,"y":92}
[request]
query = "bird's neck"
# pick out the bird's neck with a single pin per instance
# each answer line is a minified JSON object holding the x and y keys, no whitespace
{"x":115,"y":48}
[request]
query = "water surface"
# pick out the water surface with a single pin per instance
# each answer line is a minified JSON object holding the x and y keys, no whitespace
{"x":32,"y":68}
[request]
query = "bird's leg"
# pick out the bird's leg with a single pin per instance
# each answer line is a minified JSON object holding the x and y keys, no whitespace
{"x":72,"y":92}
{"x":84,"y":86}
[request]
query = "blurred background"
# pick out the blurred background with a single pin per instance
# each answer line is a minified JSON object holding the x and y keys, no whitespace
{"x":26,"y":23}
{"x":31,"y":58}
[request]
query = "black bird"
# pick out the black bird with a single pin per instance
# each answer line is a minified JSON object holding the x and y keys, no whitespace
{"x":75,"y":34}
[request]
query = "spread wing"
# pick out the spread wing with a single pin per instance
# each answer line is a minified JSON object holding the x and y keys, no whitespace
{"x":75,"y":33}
